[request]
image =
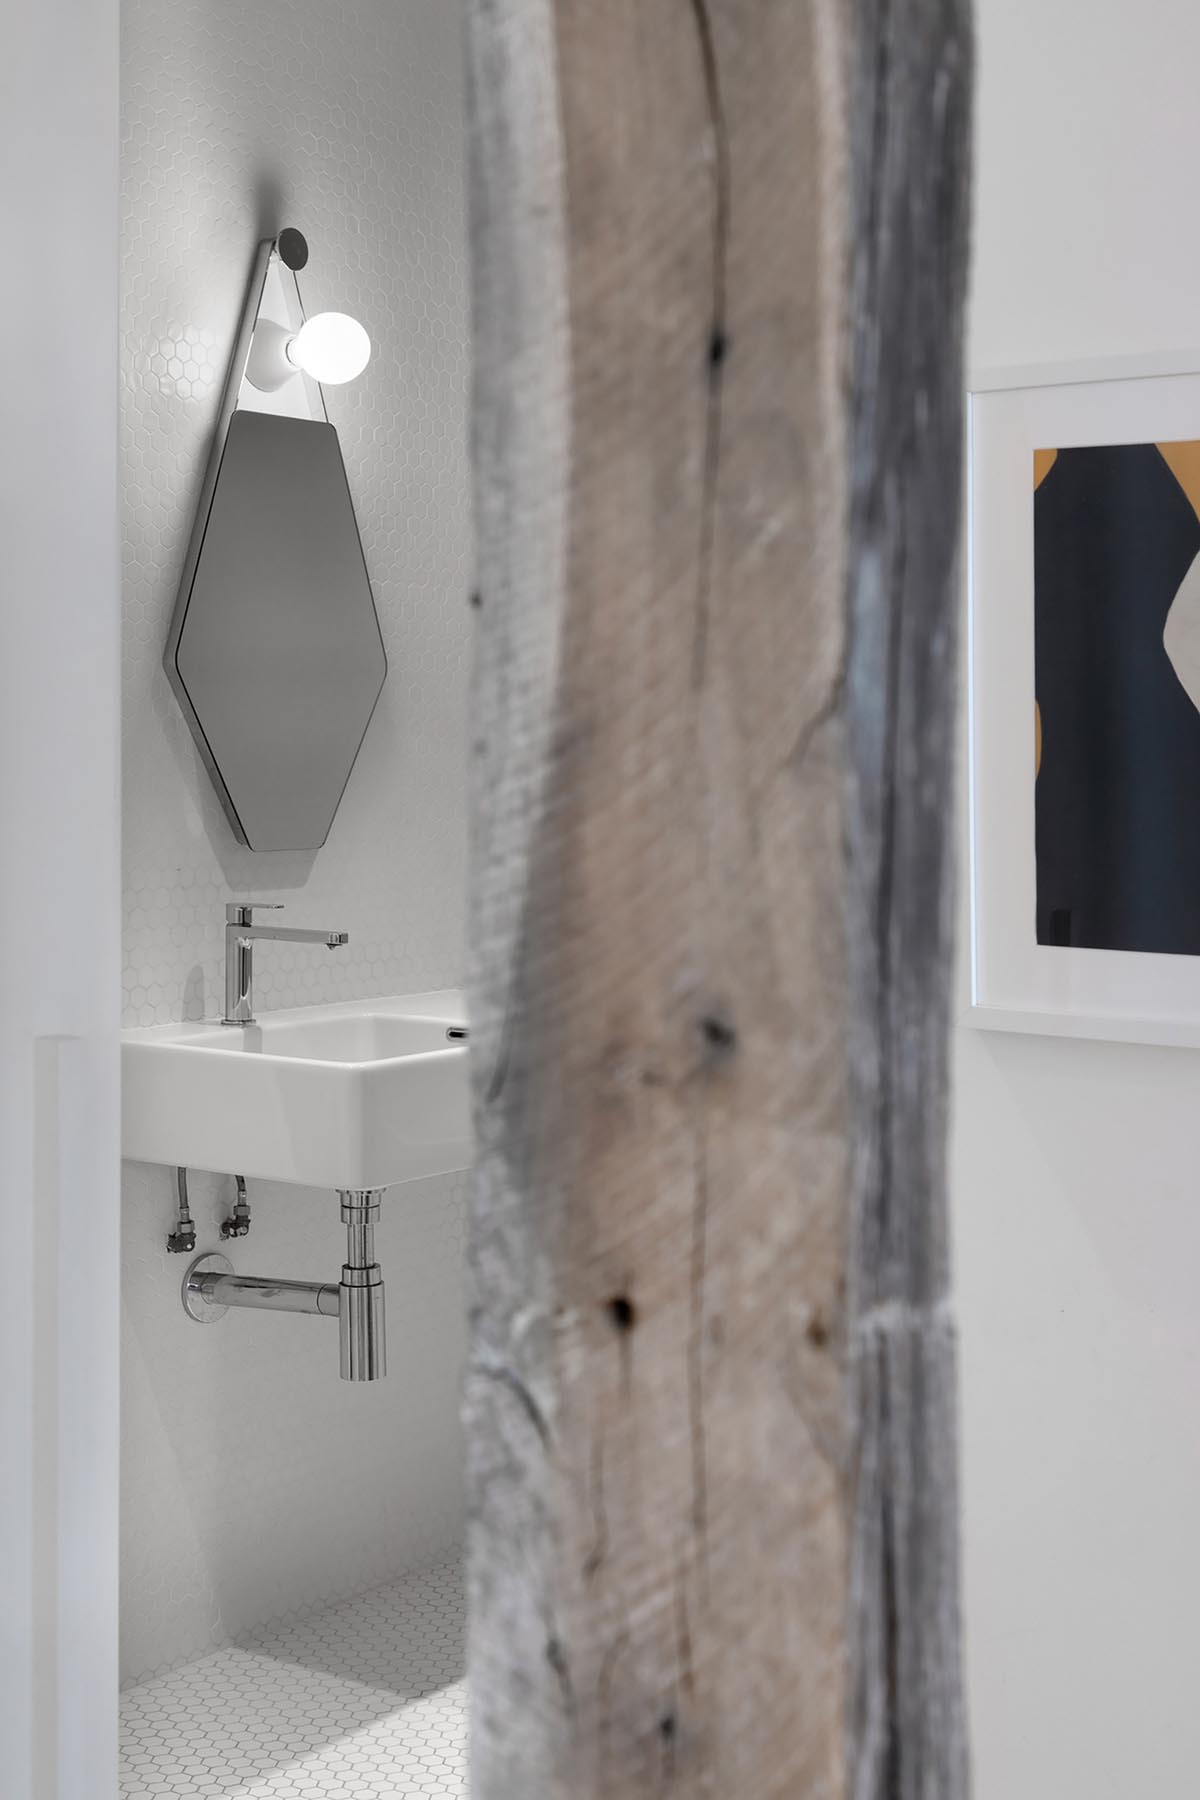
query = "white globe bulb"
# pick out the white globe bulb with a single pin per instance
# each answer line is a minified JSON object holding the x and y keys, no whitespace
{"x":331,"y":347}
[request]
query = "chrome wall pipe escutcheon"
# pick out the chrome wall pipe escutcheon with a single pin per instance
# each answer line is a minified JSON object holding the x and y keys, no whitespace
{"x":211,"y":1287}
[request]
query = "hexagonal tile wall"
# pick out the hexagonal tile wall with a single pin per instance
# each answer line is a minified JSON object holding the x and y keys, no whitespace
{"x":347,"y":122}
{"x":255,"y":1482}
{"x":363,"y":1702}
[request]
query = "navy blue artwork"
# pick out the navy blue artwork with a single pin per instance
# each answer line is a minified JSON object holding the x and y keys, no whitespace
{"x":1118,"y":783}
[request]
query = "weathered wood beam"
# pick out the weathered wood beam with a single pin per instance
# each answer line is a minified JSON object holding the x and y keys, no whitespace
{"x":911,"y":136}
{"x":710,"y":1400}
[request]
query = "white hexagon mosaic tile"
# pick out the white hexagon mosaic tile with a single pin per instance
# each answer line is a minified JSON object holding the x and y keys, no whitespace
{"x":347,"y":122}
{"x":365,"y":1701}
{"x":255,"y":1482}
{"x":243,"y":1452}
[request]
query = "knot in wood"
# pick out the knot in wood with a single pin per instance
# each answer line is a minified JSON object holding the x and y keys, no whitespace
{"x":718,"y":1033}
{"x":622,"y":1312}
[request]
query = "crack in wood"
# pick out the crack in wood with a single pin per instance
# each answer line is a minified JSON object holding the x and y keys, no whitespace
{"x":683,"y":1635}
{"x":594,"y":1561}
{"x":667,"y":1734}
{"x":695,"y":1348}
{"x":827,"y":709}
{"x":718,"y":343}
{"x":509,"y":1379}
{"x":885,"y":908}
{"x":890,"y":1771}
{"x":718,"y":334}
{"x":556,"y":1656}
{"x":604,"y":1682}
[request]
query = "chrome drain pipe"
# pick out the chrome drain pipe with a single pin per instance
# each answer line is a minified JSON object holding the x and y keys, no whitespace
{"x":211,"y":1287}
{"x":363,"y":1330}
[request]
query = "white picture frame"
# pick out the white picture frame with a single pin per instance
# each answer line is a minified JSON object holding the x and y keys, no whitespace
{"x":1015,"y":983}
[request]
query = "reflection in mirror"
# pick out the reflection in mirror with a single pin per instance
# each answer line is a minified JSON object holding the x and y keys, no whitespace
{"x":276,"y":655}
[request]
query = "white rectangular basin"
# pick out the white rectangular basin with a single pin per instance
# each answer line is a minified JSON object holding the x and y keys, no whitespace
{"x":360,"y":1095}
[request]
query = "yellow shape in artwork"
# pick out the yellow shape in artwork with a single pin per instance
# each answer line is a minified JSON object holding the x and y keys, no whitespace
{"x":1043,"y":462}
{"x":1183,"y":460}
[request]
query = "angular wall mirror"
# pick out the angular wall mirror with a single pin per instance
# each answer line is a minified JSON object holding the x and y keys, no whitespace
{"x":275,"y":653}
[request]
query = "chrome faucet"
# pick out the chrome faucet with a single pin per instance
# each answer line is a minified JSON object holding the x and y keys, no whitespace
{"x":240,"y":933}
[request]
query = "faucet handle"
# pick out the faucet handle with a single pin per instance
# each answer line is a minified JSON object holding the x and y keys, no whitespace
{"x":241,"y":912}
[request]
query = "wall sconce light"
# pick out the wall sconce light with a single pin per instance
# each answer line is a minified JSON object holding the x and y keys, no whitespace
{"x":331,"y":347}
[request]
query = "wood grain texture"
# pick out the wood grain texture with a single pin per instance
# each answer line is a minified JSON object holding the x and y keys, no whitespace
{"x":683,"y":1454}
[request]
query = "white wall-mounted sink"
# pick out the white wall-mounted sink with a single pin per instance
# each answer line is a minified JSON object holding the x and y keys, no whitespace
{"x":360,"y":1095}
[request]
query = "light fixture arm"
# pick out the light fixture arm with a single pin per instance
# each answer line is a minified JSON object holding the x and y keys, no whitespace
{"x":267,"y":366}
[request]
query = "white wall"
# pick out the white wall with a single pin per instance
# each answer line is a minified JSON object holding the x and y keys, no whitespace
{"x":1087,"y":136}
{"x":1074,"y":1170}
{"x":59,"y":901}
{"x":255,"y":1482}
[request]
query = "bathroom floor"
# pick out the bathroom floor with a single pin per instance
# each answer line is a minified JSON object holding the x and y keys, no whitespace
{"x":365,"y":1701}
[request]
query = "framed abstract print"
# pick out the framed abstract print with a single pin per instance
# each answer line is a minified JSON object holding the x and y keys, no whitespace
{"x":1084,"y":700}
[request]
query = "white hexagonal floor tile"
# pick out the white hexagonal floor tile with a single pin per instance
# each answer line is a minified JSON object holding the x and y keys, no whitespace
{"x":365,"y":1701}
